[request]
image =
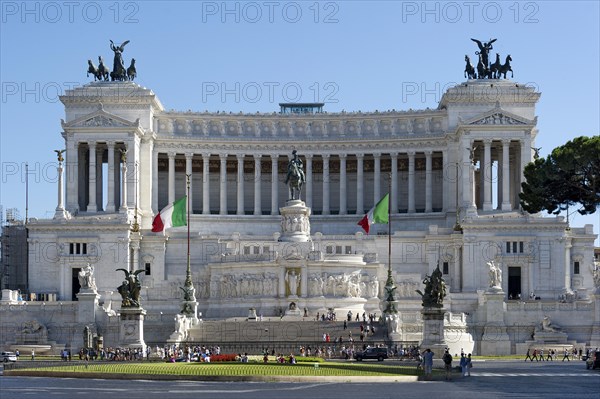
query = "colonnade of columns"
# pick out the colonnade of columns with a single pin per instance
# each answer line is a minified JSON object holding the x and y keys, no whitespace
{"x":84,"y":178}
{"x":498,"y":179}
{"x":326,"y":191}
{"x":350,"y":188}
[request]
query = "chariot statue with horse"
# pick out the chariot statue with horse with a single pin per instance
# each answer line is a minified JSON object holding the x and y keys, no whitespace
{"x":119,"y":72}
{"x":295,"y":177}
{"x":484,"y":69}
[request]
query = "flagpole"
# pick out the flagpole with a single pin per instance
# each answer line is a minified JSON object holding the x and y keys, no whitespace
{"x":188,"y":274}
{"x":390,"y":286}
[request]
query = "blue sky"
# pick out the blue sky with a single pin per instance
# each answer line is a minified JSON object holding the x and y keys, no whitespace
{"x":249,"y":56}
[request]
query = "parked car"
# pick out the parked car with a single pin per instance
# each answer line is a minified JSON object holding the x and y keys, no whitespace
{"x":593,"y":360}
{"x":8,"y":357}
{"x":372,"y":353}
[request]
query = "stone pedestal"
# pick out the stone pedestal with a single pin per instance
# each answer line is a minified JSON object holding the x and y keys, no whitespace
{"x":87,"y":306}
{"x":131,"y":328}
{"x":295,"y":222}
{"x":495,"y":340}
{"x":595,"y":337}
{"x":433,"y":331}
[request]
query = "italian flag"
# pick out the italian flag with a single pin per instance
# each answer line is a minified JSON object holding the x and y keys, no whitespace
{"x":172,"y":215}
{"x":378,"y":214}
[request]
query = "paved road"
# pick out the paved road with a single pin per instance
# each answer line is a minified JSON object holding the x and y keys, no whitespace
{"x":489,"y":380}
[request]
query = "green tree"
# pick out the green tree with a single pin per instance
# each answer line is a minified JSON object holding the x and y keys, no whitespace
{"x":570,"y":175}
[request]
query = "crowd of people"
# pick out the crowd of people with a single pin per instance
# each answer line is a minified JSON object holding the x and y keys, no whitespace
{"x":551,"y":354}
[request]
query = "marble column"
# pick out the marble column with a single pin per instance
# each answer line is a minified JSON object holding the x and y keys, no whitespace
{"x":171,"y":178}
{"x":188,"y":171}
{"x":487,"y":175}
{"x":240,"y":184}
{"x":428,"y":181}
{"x":205,"y":184}
{"x":360,"y":184}
{"x":124,"y":206}
{"x":567,"y":267}
{"x":92,"y":178}
{"x":257,"y":185}
{"x":72,"y":175}
{"x":525,"y":159}
{"x":223,"y":185}
{"x":110,"y":186}
{"x":309,"y":182}
{"x":99,"y":180}
{"x":411,"y":182}
{"x":394,"y":204}
{"x":155,"y":181}
{"x":274,"y":184}
{"x":446,"y":173}
{"x":326,"y":190}
{"x":343,"y":184}
{"x":506,"y":205}
{"x":377,"y":178}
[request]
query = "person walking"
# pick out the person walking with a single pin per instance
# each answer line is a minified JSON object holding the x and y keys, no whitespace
{"x":428,"y":363}
{"x":463,"y":364}
{"x":32,"y":354}
{"x":469,"y":365}
{"x":566,"y":356}
{"x":528,"y":355}
{"x":447,"y":358}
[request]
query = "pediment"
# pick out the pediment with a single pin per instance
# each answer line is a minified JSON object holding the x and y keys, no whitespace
{"x":497,"y":116}
{"x":100,"y":118}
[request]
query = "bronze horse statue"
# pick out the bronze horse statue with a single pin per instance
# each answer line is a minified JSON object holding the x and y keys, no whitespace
{"x":495,"y":67}
{"x":93,"y":70}
{"x":482,"y":70}
{"x":506,"y":67}
{"x":469,"y":69}
{"x":295,"y":177}
{"x":131,"y":71}
{"x":103,"y":71}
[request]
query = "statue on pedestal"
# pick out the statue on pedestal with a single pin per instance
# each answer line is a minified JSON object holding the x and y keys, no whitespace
{"x":495,"y":275}
{"x":130,"y":289}
{"x":435,"y":289}
{"x":293,"y":281}
{"x":86,"y":277}
{"x":295,"y":177}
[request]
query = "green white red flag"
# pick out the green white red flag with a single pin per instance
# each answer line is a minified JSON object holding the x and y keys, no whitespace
{"x":378,"y":214}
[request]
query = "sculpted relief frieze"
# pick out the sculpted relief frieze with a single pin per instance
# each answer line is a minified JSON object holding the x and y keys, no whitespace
{"x":310,"y":126}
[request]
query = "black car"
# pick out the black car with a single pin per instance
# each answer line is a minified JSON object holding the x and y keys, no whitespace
{"x":372,"y":353}
{"x":593,"y":360}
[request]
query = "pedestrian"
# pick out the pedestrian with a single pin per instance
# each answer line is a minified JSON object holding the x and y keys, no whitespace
{"x":428,"y":363}
{"x":463,"y":364}
{"x":528,"y":355}
{"x":541,"y":355}
{"x":32,"y":354}
{"x":345,"y":325}
{"x":566,"y":356}
{"x":447,"y":358}
{"x":469,"y":365}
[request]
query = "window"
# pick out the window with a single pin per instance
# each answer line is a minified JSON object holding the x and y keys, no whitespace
{"x":575,"y":267}
{"x":256,"y":250}
{"x":329,"y":249}
{"x":520,"y":247}
{"x":246,"y":250}
{"x":77,"y":248}
{"x":348,"y":249}
{"x":514,"y":249}
{"x":338,"y":249}
{"x":147,"y":270}
{"x":507,"y":247}
{"x":445,"y":268}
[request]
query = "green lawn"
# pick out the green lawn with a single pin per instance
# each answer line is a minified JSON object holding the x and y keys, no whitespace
{"x":235,"y":369}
